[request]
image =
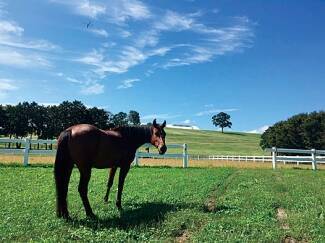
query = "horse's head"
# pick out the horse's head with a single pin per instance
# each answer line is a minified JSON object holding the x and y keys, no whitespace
{"x":158,"y":136}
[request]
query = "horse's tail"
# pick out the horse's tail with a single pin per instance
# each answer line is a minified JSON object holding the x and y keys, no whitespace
{"x":62,"y":171}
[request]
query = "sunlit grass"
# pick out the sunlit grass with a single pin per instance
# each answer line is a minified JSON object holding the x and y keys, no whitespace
{"x":167,"y":204}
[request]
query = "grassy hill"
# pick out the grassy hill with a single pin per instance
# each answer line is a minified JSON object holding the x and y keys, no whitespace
{"x":211,"y":142}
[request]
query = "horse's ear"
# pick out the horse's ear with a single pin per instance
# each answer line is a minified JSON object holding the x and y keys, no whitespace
{"x":164,"y":124}
{"x":154,"y":123}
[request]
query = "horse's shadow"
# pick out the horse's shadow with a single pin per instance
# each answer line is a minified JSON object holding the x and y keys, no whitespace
{"x":147,"y":214}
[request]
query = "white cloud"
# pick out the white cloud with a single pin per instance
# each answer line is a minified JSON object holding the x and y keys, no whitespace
{"x":73,"y":80}
{"x":114,"y":11}
{"x":14,"y":58}
{"x":19,"y":51}
{"x":11,"y":35}
{"x":118,"y":57}
{"x":6,"y":85}
{"x":2,"y":10}
{"x":125,"y":33}
{"x":99,"y":32}
{"x":92,"y":89}
{"x":173,"y":21}
{"x":212,"y":111}
{"x":259,"y":130}
{"x":187,"y":121}
{"x":84,"y":7}
{"x":128,"y":57}
{"x":128,"y":83}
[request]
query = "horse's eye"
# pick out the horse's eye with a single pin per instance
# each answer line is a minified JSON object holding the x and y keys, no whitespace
{"x":157,"y":134}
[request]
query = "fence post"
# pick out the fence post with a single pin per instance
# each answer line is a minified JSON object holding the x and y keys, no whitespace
{"x":273,"y":157}
{"x":185,"y":156}
{"x":313,"y":158}
{"x":26,"y":151}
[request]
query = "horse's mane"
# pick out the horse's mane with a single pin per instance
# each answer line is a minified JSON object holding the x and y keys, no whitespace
{"x":134,"y":131}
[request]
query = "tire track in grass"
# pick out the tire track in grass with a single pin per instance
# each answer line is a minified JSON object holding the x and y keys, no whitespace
{"x":282,"y":216}
{"x":220,"y":190}
{"x":210,"y":205}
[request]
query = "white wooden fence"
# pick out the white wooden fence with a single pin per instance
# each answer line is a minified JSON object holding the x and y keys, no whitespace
{"x":27,"y":143}
{"x":308,"y":156}
{"x":184,"y":155}
{"x":312,"y":157}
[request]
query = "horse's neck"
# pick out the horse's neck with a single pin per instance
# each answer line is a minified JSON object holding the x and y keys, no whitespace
{"x":138,"y":139}
{"x":144,"y":138}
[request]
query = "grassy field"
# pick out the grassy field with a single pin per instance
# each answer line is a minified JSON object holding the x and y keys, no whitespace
{"x":212,"y":142}
{"x":169,"y":204}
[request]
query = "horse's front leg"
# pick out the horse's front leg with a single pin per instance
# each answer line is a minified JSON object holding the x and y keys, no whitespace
{"x":83,"y":191}
{"x":110,"y":182}
{"x":123,"y":172}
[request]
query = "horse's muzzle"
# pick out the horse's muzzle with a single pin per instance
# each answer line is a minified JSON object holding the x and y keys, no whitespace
{"x":162,"y":149}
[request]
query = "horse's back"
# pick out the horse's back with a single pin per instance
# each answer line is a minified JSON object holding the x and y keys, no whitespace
{"x":90,"y":145}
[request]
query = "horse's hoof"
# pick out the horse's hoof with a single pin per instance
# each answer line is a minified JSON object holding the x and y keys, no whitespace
{"x":63,"y":215}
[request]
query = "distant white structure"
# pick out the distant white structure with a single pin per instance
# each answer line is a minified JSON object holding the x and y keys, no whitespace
{"x":182,"y":126}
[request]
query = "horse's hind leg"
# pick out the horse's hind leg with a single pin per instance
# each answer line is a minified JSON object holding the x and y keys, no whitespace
{"x":123,"y":172}
{"x":110,"y":182}
{"x":62,"y":184}
{"x":83,"y":191}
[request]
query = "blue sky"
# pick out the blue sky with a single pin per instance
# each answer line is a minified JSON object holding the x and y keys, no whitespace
{"x":183,"y":61}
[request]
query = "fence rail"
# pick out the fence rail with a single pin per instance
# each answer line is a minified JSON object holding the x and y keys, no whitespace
{"x":26,"y":150}
{"x":313,"y":158}
{"x":308,"y":156}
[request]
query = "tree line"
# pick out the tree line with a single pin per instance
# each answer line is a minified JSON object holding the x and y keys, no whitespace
{"x":302,"y":131}
{"x":46,"y":122}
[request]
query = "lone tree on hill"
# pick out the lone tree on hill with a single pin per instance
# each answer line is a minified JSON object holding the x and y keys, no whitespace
{"x":221,"y":120}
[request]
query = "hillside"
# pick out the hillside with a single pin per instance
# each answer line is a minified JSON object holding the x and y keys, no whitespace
{"x":205,"y":142}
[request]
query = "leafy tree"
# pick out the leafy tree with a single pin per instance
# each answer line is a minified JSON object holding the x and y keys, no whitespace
{"x":3,"y":119}
{"x":98,"y":117}
{"x":134,"y":117}
{"x":302,"y":131}
{"x":52,"y":123}
{"x":120,"y":119}
{"x":221,"y":120}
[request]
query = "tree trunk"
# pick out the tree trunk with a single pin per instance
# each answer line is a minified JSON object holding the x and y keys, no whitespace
{"x":221,"y":129}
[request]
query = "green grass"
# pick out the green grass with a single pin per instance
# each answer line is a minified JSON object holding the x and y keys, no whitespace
{"x":212,"y":142}
{"x":162,"y":204}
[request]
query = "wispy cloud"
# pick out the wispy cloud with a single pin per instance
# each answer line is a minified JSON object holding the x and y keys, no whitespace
{"x":212,"y":111}
{"x":84,"y":7}
{"x":98,"y":32}
{"x":115,"y":11}
{"x":15,"y":58}
{"x":128,"y":57}
{"x":6,"y":85}
{"x":11,"y":35}
{"x":206,"y":43}
{"x":188,"y":121}
{"x":17,"y":50}
{"x":73,"y":80}
{"x":259,"y":130}
{"x":92,"y":89}
{"x":128,"y":83}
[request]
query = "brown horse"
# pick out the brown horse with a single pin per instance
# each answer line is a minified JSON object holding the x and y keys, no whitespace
{"x":87,"y":147}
